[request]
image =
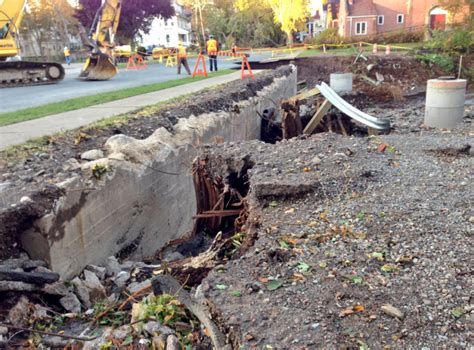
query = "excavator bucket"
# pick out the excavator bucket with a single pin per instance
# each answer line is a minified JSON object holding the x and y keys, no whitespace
{"x":99,"y":67}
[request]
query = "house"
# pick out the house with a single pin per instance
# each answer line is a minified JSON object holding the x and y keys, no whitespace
{"x":316,"y":22}
{"x":169,"y":32}
{"x":365,"y":18}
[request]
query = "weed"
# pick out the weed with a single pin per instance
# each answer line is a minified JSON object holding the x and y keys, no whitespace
{"x":99,"y":170}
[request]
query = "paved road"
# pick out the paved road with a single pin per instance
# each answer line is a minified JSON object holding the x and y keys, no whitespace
{"x":13,"y":99}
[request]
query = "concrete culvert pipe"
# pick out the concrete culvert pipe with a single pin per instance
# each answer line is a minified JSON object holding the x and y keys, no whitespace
{"x":341,"y":82}
{"x":445,"y":100}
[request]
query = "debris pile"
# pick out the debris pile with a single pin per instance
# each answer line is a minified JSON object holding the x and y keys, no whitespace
{"x":115,"y":305}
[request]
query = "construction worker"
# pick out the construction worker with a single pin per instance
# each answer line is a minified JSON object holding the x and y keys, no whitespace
{"x":183,"y":58}
{"x":212,"y":47}
{"x":67,"y":55}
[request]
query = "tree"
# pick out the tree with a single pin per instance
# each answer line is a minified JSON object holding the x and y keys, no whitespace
{"x":460,"y":7}
{"x":136,"y":16}
{"x":198,"y":7}
{"x":49,"y":22}
{"x":289,"y":14}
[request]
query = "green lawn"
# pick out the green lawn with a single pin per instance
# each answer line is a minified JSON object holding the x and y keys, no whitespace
{"x":348,"y":51}
{"x":87,"y":101}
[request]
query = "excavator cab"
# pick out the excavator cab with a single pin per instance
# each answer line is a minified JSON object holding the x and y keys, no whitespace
{"x":100,"y":63}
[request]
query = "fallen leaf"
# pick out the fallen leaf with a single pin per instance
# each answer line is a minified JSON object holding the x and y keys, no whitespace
{"x":236,"y":293}
{"x":457,"y":312}
{"x":357,"y":279}
{"x":346,"y":312}
{"x":221,"y":286}
{"x":290,"y":240}
{"x":389,"y":268}
{"x":127,"y":341}
{"x":273,"y":204}
{"x":284,"y":245}
{"x":263,"y":279}
{"x":307,"y":170}
{"x":376,"y":255}
{"x":298,"y":277}
{"x":352,"y":310}
{"x":303,"y":267}
{"x":323,"y":264}
{"x":290,"y":211}
{"x":382,"y":147}
{"x":313,"y":224}
{"x":274,"y":285}
{"x":207,"y":332}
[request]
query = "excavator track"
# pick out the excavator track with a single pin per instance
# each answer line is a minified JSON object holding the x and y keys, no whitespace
{"x":23,"y":73}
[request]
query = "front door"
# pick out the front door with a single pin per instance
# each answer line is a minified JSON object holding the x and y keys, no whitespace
{"x":438,"y":22}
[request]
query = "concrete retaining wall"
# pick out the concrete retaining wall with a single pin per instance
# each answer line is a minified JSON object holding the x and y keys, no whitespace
{"x":147,"y":196}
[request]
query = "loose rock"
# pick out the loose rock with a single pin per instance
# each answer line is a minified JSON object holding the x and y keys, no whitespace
{"x":392,"y":311}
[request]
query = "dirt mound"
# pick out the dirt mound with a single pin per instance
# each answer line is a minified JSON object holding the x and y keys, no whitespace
{"x":381,"y":78}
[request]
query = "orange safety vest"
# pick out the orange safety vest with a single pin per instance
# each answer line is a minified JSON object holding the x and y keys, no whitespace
{"x":182,"y":52}
{"x":67,"y":52}
{"x":212,"y":46}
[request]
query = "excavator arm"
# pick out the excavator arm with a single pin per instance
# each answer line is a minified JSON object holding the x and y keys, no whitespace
{"x":101,"y":41}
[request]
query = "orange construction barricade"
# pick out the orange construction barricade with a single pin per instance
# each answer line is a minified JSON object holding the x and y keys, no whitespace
{"x":246,"y":64}
{"x":136,"y":62}
{"x":198,"y":71}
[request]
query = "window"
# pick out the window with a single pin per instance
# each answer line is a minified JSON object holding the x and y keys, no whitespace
{"x":361,"y":28}
{"x":400,"y":19}
{"x":380,"y":20}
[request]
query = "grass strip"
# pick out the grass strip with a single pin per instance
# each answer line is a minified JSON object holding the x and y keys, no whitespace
{"x":9,"y":118}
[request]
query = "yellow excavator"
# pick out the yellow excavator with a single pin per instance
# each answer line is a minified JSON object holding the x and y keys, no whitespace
{"x":101,"y":42}
{"x":13,"y":71}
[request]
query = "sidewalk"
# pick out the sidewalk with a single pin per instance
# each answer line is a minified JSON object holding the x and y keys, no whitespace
{"x":19,"y":133}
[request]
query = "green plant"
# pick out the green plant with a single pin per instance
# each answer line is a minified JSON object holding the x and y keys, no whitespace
{"x":328,"y":36}
{"x":443,"y":61}
{"x":99,"y":170}
{"x":457,"y":40}
{"x":169,"y":311}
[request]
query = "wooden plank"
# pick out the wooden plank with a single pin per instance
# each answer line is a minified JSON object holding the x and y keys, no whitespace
{"x":305,"y":94}
{"x":318,"y":116}
{"x":29,"y":277}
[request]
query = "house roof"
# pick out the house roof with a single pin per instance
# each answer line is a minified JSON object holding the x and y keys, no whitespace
{"x":362,"y":8}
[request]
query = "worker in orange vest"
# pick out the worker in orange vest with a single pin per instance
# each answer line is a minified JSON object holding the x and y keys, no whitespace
{"x":67,"y":55}
{"x":212,"y":46}
{"x":183,"y":58}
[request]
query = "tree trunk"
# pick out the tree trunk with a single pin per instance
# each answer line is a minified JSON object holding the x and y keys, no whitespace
{"x":202,"y":24}
{"x":290,"y":38}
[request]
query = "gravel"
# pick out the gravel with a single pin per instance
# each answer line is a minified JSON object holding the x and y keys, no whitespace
{"x":365,"y":248}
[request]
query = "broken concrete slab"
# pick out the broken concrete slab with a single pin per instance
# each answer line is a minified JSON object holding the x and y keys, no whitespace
{"x":147,"y":200}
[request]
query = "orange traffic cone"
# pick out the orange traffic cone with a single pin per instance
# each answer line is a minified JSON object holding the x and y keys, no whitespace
{"x":246,"y":64}
{"x":198,"y":71}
